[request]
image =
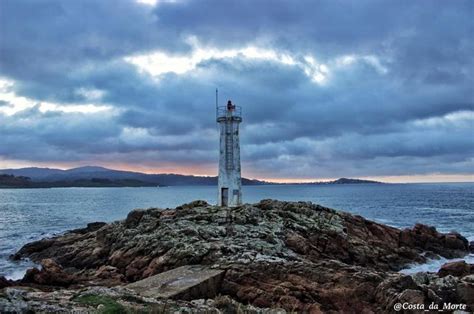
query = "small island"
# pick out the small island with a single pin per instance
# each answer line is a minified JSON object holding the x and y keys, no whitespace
{"x":342,"y":181}
{"x":291,"y":256}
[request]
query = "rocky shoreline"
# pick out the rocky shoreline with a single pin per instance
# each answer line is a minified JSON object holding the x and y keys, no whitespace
{"x":292,"y":256}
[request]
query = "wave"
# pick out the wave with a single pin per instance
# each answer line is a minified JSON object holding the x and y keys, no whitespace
{"x":16,"y":270}
{"x":16,"y":274}
{"x":433,"y":265}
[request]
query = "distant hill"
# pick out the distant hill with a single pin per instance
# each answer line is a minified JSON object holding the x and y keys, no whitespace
{"x":48,"y":175}
{"x":11,"y":181}
{"x":354,"y":181}
{"x":93,"y":176}
{"x":32,"y":172}
{"x":342,"y":181}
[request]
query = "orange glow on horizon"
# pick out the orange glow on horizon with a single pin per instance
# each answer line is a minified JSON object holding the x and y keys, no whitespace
{"x":210,"y":170}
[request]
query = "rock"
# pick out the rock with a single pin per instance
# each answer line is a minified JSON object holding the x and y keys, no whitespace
{"x":135,"y":269}
{"x":33,"y":247}
{"x":193,"y":204}
{"x":297,"y":243}
{"x":93,"y":226}
{"x":448,"y":245}
{"x":107,"y":300}
{"x":110,"y":273}
{"x":389,"y":291}
{"x":133,"y":218}
{"x":51,"y":274}
{"x":412,"y":296}
{"x":465,"y":290}
{"x":13,"y":301}
{"x":458,"y":269}
{"x":297,"y":256}
{"x":4,"y":282}
{"x":425,"y":288}
{"x":185,"y":283}
{"x":455,"y":241}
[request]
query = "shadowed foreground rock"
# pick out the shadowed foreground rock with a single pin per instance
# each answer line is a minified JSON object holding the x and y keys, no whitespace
{"x":290,"y":255}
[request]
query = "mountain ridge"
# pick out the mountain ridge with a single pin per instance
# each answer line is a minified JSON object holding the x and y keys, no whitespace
{"x":52,"y":177}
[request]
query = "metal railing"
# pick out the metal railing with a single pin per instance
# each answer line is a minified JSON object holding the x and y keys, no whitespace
{"x":224,"y":112}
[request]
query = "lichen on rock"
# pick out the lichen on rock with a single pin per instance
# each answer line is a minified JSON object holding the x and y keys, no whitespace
{"x":297,"y":256}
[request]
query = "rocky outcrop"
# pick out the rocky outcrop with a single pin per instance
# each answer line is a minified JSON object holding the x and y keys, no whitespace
{"x":93,"y":226}
{"x":51,"y":273}
{"x":109,"y":300}
{"x":457,"y":269}
{"x":294,"y":255}
{"x":447,"y":245}
{"x":426,"y":289}
{"x":4,"y":282}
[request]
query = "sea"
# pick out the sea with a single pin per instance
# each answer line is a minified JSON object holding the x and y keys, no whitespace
{"x":31,"y":214}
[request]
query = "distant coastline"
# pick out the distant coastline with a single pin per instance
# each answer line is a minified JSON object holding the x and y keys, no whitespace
{"x":339,"y":181}
{"x":91,"y":176}
{"x":10,"y":181}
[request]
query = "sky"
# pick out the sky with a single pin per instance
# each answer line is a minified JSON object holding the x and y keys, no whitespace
{"x":367,"y":88}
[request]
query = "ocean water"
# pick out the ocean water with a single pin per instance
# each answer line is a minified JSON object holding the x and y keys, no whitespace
{"x":30,"y":214}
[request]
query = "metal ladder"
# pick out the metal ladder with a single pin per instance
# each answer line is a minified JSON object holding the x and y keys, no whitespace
{"x":229,"y":146}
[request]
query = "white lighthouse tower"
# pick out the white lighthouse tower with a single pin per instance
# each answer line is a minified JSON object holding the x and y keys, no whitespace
{"x":229,"y":183}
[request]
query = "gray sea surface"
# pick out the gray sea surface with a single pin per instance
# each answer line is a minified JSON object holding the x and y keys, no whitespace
{"x":30,"y":214}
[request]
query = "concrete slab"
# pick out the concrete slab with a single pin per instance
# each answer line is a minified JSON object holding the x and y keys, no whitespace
{"x":185,"y":283}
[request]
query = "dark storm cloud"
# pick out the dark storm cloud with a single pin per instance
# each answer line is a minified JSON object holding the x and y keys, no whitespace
{"x":58,"y":136}
{"x":36,"y":34}
{"x":45,"y":45}
{"x":332,"y":25}
{"x":33,"y":135}
{"x":411,"y":63}
{"x":326,"y":27}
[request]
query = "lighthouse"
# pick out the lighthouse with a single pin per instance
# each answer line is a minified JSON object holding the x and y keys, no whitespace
{"x":229,"y":183}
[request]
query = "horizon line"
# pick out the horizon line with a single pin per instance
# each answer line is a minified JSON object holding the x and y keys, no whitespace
{"x":401,"y":179}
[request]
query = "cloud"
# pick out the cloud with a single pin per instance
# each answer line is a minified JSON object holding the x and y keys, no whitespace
{"x":327,"y":88}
